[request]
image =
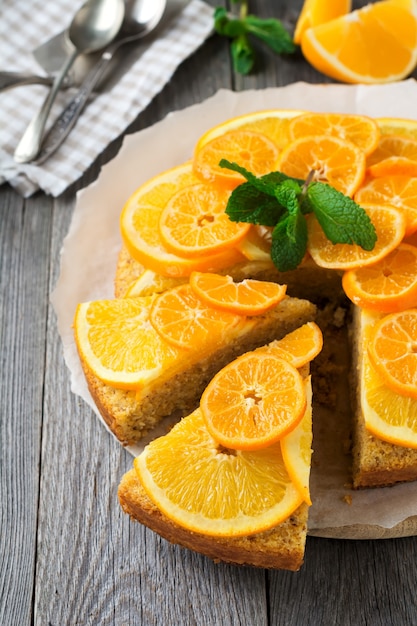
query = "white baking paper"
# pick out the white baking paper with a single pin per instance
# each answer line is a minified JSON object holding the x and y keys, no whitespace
{"x":90,"y":250}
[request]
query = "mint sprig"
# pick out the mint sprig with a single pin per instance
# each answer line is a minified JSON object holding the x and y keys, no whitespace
{"x":282,"y":202}
{"x":245,"y":27}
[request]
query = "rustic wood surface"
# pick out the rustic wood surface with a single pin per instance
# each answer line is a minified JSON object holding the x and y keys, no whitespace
{"x":68,"y":555}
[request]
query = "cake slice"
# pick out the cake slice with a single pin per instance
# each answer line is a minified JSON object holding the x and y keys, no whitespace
{"x":165,"y":378}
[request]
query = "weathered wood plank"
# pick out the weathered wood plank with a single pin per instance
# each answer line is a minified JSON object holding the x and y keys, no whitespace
{"x":24,"y":268}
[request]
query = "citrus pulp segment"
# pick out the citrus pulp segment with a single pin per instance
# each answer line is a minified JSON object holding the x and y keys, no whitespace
{"x":185,"y":321}
{"x":389,"y":285}
{"x":374,"y":44}
{"x":251,"y":150}
{"x":339,"y":163}
{"x":139,"y":224}
{"x":118,"y":342}
{"x":389,"y":224}
{"x":388,"y":415}
{"x":296,"y":449}
{"x":247,"y":297}
{"x":208,"y":489}
{"x":361,"y":130}
{"x":393,"y":351}
{"x":254,"y":401}
{"x":395,"y":191}
{"x":194,"y":222}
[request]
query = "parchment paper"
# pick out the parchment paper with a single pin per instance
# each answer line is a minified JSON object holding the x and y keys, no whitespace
{"x":89,"y":255}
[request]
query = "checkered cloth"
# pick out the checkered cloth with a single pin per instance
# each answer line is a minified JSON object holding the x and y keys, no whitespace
{"x":26,"y":25}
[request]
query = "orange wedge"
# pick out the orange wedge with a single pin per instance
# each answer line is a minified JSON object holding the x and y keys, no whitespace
{"x":248,"y":297}
{"x":389,"y":224}
{"x":185,"y":321}
{"x":393,"y":351}
{"x":252,"y":150}
{"x":396,"y":191}
{"x":388,"y":285}
{"x":361,"y":130}
{"x":194,"y":222}
{"x":139,"y":223}
{"x":208,"y":489}
{"x":374,"y":44}
{"x":254,"y":401}
{"x":298,"y":347}
{"x":339,"y":163}
{"x":315,"y":12}
{"x":296,"y":450}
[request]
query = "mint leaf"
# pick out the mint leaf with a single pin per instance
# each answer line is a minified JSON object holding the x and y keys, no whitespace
{"x":243,"y":55}
{"x":342,"y":220}
{"x":229,"y":27}
{"x":289,"y":242}
{"x":272,"y":32}
{"x":266,"y":183}
{"x":248,"y":204}
{"x":287,"y":193}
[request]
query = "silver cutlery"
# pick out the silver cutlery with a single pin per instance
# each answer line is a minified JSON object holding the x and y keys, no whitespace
{"x":93,"y":27}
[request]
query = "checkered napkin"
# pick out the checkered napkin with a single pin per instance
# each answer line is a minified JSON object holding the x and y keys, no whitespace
{"x":26,"y":25}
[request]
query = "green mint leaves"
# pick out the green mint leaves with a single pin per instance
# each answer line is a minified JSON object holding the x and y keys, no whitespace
{"x":240,"y":30}
{"x":282,"y":202}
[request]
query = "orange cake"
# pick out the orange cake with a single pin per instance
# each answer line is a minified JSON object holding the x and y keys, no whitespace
{"x":323,"y":206}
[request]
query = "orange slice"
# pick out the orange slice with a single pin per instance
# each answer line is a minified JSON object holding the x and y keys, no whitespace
{"x":194,"y":222}
{"x":339,"y":163}
{"x":394,"y":154}
{"x":396,"y":191}
{"x":248,"y":297}
{"x":315,"y":12}
{"x":273,"y":123}
{"x":375,"y":44}
{"x":361,"y":130}
{"x":397,"y":126}
{"x":394,"y":166}
{"x":390,"y":416}
{"x":252,"y":402}
{"x":390,"y":229}
{"x":185,"y":321}
{"x":252,"y":150}
{"x":149,"y":283}
{"x":300,"y":346}
{"x":139,"y":223}
{"x":117,"y":341}
{"x":393,"y":351}
{"x":208,"y":489}
{"x":296,"y":450}
{"x":389,"y":285}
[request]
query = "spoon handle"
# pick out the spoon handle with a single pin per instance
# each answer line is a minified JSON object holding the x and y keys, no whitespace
{"x":30,"y":143}
{"x":67,"y":119}
{"x":8,"y":80}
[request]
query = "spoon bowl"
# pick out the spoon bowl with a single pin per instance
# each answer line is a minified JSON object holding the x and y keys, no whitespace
{"x":93,"y":27}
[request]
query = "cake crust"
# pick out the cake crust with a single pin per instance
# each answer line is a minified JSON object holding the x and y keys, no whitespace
{"x":279,"y":548}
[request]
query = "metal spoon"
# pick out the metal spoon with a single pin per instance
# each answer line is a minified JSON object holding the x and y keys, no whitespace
{"x":141,"y":18}
{"x":94,"y":26}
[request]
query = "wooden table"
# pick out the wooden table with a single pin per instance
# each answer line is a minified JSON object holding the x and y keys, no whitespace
{"x":68,"y":555}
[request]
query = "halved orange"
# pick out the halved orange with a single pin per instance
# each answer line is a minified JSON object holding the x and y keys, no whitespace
{"x":248,"y":297}
{"x":300,"y":346}
{"x":209,"y":489}
{"x":388,"y":285}
{"x":361,"y":130}
{"x":116,"y":340}
{"x":194,"y":222}
{"x":139,"y":223}
{"x":252,"y":150}
{"x":389,"y":224}
{"x":390,"y":416}
{"x":315,"y":12}
{"x":396,"y":191}
{"x":339,"y":163}
{"x":374,"y":44}
{"x":183,"y":320}
{"x":393,"y":351}
{"x":254,"y":401}
{"x":296,"y":449}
